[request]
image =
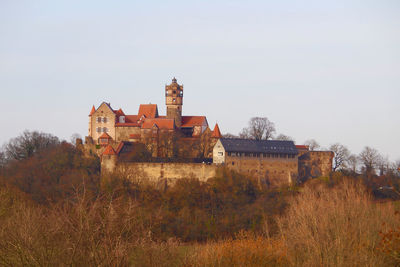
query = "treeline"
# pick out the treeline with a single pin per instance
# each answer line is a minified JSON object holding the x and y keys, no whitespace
{"x":55,"y":209}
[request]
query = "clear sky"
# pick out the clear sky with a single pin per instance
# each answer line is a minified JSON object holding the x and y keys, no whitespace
{"x":327,"y":70}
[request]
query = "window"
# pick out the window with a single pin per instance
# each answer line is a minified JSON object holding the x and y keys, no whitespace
{"x":220,"y":153}
{"x":174,"y":92}
{"x":105,"y":119}
{"x":174,"y":100}
{"x":105,"y":129}
{"x":229,"y":153}
{"x":98,"y":119}
{"x":98,"y":129}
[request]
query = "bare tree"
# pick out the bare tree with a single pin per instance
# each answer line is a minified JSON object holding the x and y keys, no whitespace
{"x":370,"y":158}
{"x":245,"y":134}
{"x":27,"y":144}
{"x":341,"y":155}
{"x":2,"y":159}
{"x":312,"y":144}
{"x":229,"y":135}
{"x":284,"y":137}
{"x":259,"y":128}
{"x":352,"y":162}
{"x":384,"y":165}
{"x":74,"y":137}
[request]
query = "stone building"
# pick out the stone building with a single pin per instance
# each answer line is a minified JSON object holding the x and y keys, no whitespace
{"x":271,"y":161}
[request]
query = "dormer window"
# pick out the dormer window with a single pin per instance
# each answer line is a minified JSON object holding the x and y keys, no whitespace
{"x":121,"y":119}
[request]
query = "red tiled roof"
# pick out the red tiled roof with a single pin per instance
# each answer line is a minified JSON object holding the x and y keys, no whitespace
{"x":302,"y":147}
{"x":149,"y":110}
{"x":216,"y":132}
{"x":105,"y":135}
{"x":190,"y":121}
{"x":92,"y":111}
{"x":109,"y":151}
{"x":160,"y":123}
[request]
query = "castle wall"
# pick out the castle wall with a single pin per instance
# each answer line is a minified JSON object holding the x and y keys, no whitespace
{"x":273,"y":171}
{"x":315,"y":164}
{"x":156,"y":172}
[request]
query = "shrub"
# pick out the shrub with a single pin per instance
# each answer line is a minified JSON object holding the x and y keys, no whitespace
{"x":336,"y":226}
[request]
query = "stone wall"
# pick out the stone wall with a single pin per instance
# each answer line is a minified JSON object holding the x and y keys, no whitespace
{"x":272,"y":171}
{"x":156,"y":172}
{"x":315,"y":164}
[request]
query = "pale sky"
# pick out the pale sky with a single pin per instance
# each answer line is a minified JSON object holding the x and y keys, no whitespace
{"x":327,"y":71}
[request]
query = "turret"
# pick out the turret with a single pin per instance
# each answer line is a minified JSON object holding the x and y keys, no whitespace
{"x":174,"y":101}
{"x":90,"y":120}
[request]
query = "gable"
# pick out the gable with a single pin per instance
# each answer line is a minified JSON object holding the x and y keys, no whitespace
{"x":104,"y":108}
{"x":148,"y":110}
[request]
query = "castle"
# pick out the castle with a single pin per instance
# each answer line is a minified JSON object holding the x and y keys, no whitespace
{"x":160,"y":134}
{"x":106,"y":124}
{"x":176,"y":146}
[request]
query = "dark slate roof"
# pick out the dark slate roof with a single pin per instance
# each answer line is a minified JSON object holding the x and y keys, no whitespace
{"x":258,"y":146}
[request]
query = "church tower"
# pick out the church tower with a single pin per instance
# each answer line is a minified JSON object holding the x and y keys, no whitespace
{"x":174,"y":102}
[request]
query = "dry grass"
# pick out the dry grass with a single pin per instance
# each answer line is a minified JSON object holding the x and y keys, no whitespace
{"x":323,"y":226}
{"x":246,"y":250}
{"x":335,"y":227}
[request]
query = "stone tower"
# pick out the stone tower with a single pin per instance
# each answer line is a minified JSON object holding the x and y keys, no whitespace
{"x":174,"y":102}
